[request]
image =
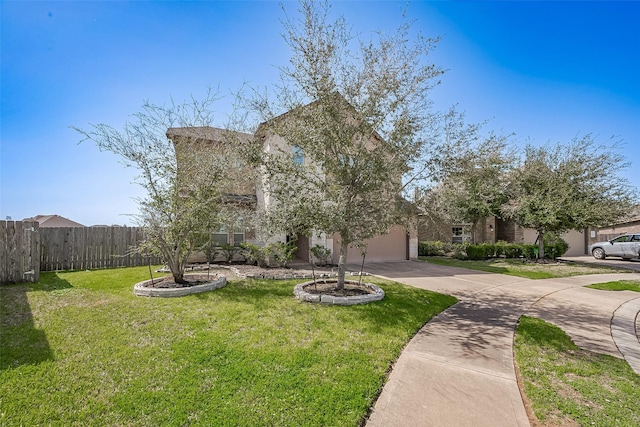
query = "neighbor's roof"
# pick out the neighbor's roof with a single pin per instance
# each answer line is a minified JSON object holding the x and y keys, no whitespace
{"x":53,"y":221}
{"x":209,"y":133}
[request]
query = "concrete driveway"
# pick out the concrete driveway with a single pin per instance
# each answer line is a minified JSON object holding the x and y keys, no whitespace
{"x":458,"y":370}
{"x":633,"y":264}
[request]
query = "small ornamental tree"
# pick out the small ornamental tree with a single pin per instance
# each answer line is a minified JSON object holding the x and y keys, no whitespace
{"x":357,"y":115}
{"x":569,"y":187}
{"x":181,"y":205}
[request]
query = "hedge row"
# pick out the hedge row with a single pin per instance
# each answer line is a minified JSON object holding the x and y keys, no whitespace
{"x":491,"y":250}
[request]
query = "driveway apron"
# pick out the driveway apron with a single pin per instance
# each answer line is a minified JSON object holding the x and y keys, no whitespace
{"x":458,"y":370}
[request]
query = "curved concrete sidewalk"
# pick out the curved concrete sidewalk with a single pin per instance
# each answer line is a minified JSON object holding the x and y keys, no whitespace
{"x":459,"y":371}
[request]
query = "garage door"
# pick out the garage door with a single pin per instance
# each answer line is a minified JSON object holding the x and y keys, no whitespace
{"x":575,"y":239}
{"x":388,"y":247}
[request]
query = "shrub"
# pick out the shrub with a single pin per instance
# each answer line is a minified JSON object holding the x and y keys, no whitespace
{"x":228,"y":252}
{"x":281,"y":252}
{"x":210,"y":250}
{"x":322,"y":254}
{"x":435,"y":248}
{"x":489,"y":250}
{"x":254,"y":254}
{"x":529,"y":251}
{"x":460,"y":251}
{"x":554,"y":246}
{"x":500,"y":248}
{"x":513,"y":250}
{"x":476,"y":252}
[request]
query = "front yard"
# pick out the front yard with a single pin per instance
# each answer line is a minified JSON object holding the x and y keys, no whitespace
{"x":80,"y":349}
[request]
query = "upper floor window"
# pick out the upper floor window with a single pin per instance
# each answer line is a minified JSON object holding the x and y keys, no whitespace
{"x":297,"y":155}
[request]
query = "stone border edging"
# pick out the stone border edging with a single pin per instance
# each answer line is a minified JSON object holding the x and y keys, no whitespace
{"x":304,"y":275}
{"x":303,"y":295}
{"x":270,"y":276}
{"x":139,"y":289}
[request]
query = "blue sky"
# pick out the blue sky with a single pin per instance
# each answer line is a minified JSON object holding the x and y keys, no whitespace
{"x":546,"y":71}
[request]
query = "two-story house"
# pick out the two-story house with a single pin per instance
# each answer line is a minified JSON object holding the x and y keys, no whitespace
{"x":250,"y":191}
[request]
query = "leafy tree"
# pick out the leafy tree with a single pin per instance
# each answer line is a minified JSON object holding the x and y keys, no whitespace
{"x":569,"y":187}
{"x":475,"y":187}
{"x":182,"y":203}
{"x":468,"y":178}
{"x":358,"y":112}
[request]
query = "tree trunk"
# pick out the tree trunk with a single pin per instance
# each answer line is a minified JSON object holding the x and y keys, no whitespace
{"x":474,"y":230}
{"x":540,"y":245}
{"x":342,"y":263}
{"x":177,"y":269}
{"x":179,"y":278}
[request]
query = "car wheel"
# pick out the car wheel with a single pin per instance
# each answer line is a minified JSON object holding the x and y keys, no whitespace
{"x":598,"y":253}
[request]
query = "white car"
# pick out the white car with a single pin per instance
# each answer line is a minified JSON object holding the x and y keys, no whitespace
{"x":626,"y":246}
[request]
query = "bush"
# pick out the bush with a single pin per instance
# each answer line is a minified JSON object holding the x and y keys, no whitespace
{"x":476,"y":252}
{"x":513,"y":250}
{"x":500,"y":248}
{"x":489,"y":250}
{"x":556,"y":250}
{"x":530,"y":251}
{"x":210,"y":251}
{"x":460,"y":251}
{"x":322,"y":254}
{"x":435,"y":248}
{"x":228,"y":252}
{"x":281,"y":252}
{"x":254,"y":254}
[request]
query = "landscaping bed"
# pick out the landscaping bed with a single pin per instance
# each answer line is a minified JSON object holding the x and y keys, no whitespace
{"x":167,"y":286}
{"x":327,"y":292}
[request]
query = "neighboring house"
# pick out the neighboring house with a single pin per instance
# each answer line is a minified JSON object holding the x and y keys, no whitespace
{"x":398,"y":244}
{"x":49,"y":221}
{"x":493,"y":229}
{"x":630,"y":225}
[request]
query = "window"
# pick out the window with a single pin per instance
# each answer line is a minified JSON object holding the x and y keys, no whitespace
{"x":297,"y":155}
{"x":621,"y":239}
{"x":220,"y":237}
{"x":224,"y":237}
{"x":238,"y":236}
{"x":460,"y":233}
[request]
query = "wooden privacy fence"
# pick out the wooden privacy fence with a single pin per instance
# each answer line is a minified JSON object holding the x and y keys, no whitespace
{"x":19,"y":252}
{"x":82,"y":248}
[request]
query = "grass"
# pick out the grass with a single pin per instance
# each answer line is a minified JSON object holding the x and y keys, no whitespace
{"x":619,"y":285}
{"x":567,"y":385}
{"x":520,"y":268}
{"x":79,"y":349}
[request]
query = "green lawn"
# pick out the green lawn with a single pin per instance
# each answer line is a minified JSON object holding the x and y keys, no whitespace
{"x":80,"y":349}
{"x":570,"y":386}
{"x":619,"y":285}
{"x":520,"y":268}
